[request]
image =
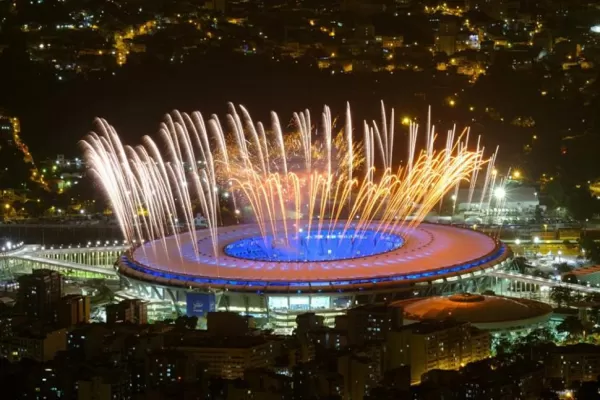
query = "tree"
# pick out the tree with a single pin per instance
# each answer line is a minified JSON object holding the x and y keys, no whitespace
{"x":541,"y":274}
{"x":592,"y":298}
{"x":192,"y":322}
{"x":576,"y":198}
{"x":548,"y":394}
{"x":564,"y":268}
{"x":538,"y":215}
{"x":503,"y":346}
{"x":591,"y":248}
{"x":534,"y":344}
{"x":580,"y":203}
{"x":536,"y":337}
{"x":561,"y":295}
{"x":185,"y":322}
{"x":570,"y":278}
{"x":33,"y":208}
{"x":571,"y":326}
{"x":588,"y":390}
{"x":520,"y":264}
{"x":555,"y":194}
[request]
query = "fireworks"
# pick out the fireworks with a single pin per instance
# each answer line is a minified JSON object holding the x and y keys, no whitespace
{"x":316,"y":177}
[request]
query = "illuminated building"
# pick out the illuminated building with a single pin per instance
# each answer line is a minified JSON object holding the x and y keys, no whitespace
{"x":6,"y":129}
{"x":446,"y":37}
{"x":103,"y":385}
{"x":9,"y":324}
{"x":39,"y":294}
{"x":168,"y":366}
{"x":73,"y":309}
{"x":133,"y":311}
{"x":390,"y":42}
{"x":229,"y":357}
{"x":517,"y":199}
{"x":370,"y":323}
{"x":328,"y":338}
{"x":36,"y":344}
{"x":578,"y":362}
{"x":261,"y":384}
{"x":307,"y":322}
{"x":312,"y":380}
{"x":366,"y":7}
{"x":219,"y":6}
{"x":429,"y":345}
{"x":355,"y":371}
{"x":47,"y":383}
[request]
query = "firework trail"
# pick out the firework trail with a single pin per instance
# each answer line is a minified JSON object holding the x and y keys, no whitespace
{"x":198,"y":167}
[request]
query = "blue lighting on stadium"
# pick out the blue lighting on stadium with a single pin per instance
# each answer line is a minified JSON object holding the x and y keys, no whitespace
{"x":312,"y":246}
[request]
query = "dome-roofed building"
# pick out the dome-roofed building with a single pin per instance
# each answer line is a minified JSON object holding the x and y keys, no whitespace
{"x":491,"y":313}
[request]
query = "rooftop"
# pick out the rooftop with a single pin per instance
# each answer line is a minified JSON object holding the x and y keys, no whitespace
{"x":472,"y":308}
{"x":579,"y":348}
{"x":430,"y":252}
{"x":431,"y":326}
{"x":585,"y":270}
{"x":203,"y":339}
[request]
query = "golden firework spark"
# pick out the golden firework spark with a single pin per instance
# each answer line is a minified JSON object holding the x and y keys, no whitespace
{"x":310,"y":173}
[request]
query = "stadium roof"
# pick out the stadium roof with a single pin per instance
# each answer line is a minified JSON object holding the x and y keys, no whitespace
{"x":486,"y":312}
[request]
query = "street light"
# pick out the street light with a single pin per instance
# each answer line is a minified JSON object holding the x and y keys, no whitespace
{"x":499,"y":193}
{"x":536,"y":239}
{"x":518,"y":242}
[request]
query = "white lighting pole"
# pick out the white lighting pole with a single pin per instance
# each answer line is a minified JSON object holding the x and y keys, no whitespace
{"x":453,"y":204}
{"x":499,"y":194}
